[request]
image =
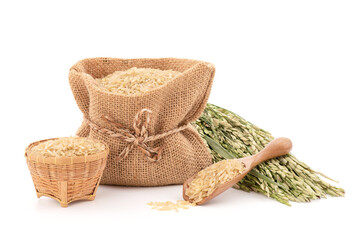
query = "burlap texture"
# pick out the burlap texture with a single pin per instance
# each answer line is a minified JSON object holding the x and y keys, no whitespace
{"x":174,"y":104}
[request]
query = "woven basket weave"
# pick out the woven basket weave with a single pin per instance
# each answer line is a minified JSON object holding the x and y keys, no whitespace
{"x":66,"y":179}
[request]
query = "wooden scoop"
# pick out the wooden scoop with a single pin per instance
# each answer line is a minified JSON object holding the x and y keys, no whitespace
{"x":276,"y":148}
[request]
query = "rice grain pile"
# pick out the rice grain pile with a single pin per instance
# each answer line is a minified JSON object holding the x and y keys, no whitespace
{"x":135,"y":81}
{"x":68,"y":147}
{"x":168,"y":205}
{"x":207,"y":180}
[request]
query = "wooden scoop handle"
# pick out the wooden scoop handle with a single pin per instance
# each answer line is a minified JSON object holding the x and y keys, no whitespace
{"x":276,"y":148}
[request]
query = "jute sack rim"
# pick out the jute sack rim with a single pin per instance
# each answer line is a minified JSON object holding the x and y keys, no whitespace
{"x":63,"y":160}
{"x":80,"y":69}
{"x":89,"y":78}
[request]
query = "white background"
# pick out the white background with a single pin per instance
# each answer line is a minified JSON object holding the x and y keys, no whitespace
{"x":287,"y":66}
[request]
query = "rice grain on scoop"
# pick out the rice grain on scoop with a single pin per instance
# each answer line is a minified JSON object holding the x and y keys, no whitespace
{"x":207,"y":180}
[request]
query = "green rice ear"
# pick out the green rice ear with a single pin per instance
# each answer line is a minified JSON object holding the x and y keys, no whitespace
{"x":285,"y":178}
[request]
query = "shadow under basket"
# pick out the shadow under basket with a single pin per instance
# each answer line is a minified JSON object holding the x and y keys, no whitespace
{"x":66,"y":179}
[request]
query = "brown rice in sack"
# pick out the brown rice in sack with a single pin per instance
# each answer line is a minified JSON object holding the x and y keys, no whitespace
{"x":149,"y":134}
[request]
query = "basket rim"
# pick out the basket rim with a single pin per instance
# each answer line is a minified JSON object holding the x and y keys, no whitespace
{"x":64,"y":160}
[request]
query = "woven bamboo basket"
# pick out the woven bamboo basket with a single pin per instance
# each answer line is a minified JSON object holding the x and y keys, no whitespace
{"x":66,"y":179}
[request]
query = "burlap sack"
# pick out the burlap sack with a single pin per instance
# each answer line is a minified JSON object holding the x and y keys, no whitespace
{"x":173,"y":105}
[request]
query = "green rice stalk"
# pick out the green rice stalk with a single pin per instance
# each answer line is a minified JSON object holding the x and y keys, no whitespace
{"x":284,"y":178}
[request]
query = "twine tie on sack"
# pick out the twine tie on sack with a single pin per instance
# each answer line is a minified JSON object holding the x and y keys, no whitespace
{"x":138,"y":137}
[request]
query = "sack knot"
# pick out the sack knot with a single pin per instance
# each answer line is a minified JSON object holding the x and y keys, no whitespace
{"x":138,"y":137}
